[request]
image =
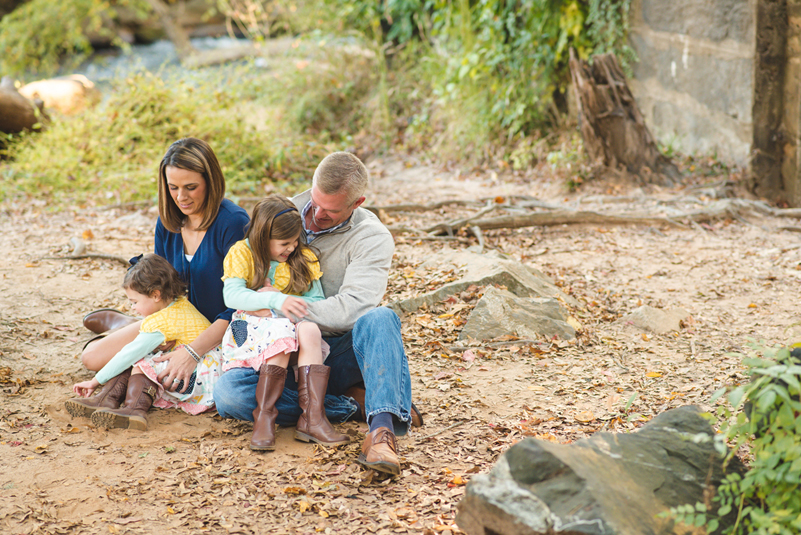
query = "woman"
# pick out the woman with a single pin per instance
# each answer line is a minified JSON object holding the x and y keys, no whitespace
{"x":195,"y":229}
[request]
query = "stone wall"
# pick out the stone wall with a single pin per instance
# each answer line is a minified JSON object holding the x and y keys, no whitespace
{"x":694,"y":81}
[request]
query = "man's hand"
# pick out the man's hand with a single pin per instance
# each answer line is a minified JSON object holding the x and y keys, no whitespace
{"x":294,"y":308}
{"x":179,"y":369}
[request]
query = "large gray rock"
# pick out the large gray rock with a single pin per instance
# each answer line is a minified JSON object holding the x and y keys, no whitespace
{"x":483,"y":270}
{"x":609,"y":484}
{"x":657,"y":320}
{"x":499,"y":313}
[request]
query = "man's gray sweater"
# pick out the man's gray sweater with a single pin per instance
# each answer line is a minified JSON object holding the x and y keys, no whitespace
{"x":355,"y":261}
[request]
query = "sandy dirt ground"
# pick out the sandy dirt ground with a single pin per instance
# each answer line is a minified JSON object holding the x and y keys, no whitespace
{"x":738,"y":279}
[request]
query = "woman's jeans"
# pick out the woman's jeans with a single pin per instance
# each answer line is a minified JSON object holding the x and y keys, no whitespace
{"x":371,"y":353}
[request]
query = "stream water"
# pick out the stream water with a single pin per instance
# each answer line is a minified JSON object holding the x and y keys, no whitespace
{"x":160,"y":57}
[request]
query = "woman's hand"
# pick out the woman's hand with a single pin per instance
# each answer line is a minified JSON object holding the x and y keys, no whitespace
{"x":294,"y":308}
{"x":179,"y":369}
{"x":86,"y":388}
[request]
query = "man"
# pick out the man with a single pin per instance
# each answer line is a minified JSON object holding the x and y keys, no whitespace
{"x":355,"y":251}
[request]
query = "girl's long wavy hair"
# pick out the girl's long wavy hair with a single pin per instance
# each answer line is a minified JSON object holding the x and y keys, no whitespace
{"x":265,"y":225}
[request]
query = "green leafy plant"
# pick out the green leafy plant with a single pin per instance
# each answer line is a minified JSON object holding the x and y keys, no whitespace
{"x":763,"y":416}
{"x":41,"y":36}
{"x":493,"y":71}
{"x":111,"y":153}
{"x":473,"y":80}
{"x":259,"y":20}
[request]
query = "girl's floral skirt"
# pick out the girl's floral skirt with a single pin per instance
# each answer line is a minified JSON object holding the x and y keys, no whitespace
{"x":250,"y":341}
{"x":199,"y":396}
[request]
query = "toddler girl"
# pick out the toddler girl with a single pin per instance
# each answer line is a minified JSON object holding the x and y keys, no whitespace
{"x":267,"y":271}
{"x":156,"y":292}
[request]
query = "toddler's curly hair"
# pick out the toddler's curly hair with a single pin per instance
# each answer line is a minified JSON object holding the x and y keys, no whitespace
{"x":152,"y":273}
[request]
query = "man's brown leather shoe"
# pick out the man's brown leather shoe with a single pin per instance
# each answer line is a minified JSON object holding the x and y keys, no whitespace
{"x":357,"y":392}
{"x":380,"y":451}
{"x":106,"y":319}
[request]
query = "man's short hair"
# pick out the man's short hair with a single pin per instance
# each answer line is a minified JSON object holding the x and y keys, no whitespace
{"x":342,"y":172}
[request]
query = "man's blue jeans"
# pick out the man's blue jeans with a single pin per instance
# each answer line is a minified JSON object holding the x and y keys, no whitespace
{"x":371,"y":353}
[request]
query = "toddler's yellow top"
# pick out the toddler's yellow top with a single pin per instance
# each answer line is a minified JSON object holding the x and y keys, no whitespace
{"x":180,"y":321}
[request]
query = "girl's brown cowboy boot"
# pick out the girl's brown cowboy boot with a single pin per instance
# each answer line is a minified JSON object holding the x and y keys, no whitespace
{"x":108,"y":397}
{"x":268,"y":390}
{"x":133,"y":413}
{"x":313,"y":426}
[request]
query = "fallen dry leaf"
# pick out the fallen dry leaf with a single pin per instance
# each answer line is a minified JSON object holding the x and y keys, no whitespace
{"x":585,"y":416}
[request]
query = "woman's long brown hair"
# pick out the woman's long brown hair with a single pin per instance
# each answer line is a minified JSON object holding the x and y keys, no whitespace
{"x":195,"y":155}
{"x":266,"y":225}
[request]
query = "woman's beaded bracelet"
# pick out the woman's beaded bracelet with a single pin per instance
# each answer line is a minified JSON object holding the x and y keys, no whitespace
{"x":192,"y":352}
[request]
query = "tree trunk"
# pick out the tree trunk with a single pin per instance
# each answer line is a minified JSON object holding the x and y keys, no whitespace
{"x":17,"y":113}
{"x":612,"y":126}
{"x":174,"y":31}
{"x":774,"y":161}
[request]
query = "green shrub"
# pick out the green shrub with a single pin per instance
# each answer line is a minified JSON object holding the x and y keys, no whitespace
{"x":41,"y":36}
{"x":111,"y":153}
{"x":766,"y":499}
{"x":332,"y":95}
{"x":259,"y":20}
{"x":495,"y":70}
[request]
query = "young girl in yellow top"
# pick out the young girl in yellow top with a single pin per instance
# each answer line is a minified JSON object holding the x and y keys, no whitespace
{"x":273,"y":270}
{"x":156,"y":292}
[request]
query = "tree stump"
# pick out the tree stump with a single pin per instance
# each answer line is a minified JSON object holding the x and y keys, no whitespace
{"x":612,"y":126}
{"x":17,"y":113}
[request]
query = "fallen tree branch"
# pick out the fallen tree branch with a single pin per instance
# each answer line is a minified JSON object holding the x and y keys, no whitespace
{"x":734,"y":208}
{"x":124,"y":206}
{"x":568,"y":217}
{"x":523,"y":201}
{"x":217,"y":56}
{"x":437,"y":238}
{"x":419,"y":207}
{"x":794,"y":213}
{"x":727,"y":208}
{"x":480,"y":236}
{"x":456,"y":349}
{"x":90,"y":255}
{"x":456,"y":224}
